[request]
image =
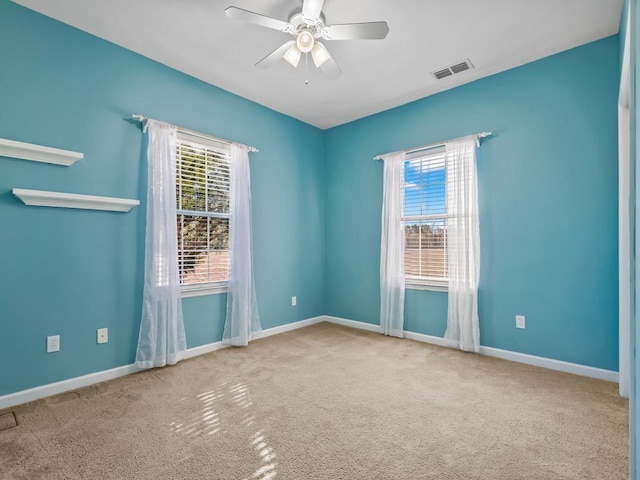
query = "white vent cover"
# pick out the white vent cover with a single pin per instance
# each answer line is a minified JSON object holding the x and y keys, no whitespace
{"x":452,"y":69}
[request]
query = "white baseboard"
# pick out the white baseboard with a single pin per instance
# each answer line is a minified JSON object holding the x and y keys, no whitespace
{"x":568,"y":367}
{"x":202,"y":349}
{"x":421,"y":337}
{"x":574,"y":368}
{"x":370,"y":327}
{"x":289,"y":327}
{"x":36,"y":393}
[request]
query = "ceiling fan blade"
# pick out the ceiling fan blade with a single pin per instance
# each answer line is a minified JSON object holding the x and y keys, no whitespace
{"x":276,"y":55}
{"x":356,"y":31}
{"x":311,"y":9}
{"x":331,"y":69}
{"x":252,"y":17}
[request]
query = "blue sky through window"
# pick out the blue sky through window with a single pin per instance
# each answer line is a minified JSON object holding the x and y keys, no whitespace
{"x":425,"y":216}
{"x":424,"y":186}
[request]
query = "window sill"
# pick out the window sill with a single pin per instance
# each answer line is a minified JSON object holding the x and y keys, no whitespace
{"x":201,"y":290}
{"x":434,"y":287}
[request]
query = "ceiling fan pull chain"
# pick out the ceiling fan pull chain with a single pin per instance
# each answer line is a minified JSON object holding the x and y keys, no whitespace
{"x":306,"y":68}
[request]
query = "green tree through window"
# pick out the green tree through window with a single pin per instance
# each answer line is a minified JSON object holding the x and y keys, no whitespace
{"x":202,"y":201}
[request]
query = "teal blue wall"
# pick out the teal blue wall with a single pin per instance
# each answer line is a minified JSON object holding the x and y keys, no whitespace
{"x":548,"y":205}
{"x":69,"y":272}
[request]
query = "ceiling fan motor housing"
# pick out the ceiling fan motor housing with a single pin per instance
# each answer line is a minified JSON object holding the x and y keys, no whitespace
{"x":300,"y":23}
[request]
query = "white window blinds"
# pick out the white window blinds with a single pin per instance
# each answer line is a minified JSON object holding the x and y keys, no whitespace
{"x":202,"y":200}
{"x":425,"y":218}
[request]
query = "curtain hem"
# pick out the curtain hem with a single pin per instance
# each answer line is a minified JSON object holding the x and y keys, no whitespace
{"x":147,"y":364}
{"x":395,"y":333}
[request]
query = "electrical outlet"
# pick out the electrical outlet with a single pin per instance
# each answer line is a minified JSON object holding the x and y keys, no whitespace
{"x":103,"y":335}
{"x":520,"y":321}
{"x":53,"y":343}
{"x":294,"y":301}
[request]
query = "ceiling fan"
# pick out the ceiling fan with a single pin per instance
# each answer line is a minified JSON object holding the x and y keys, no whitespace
{"x":308,"y":25}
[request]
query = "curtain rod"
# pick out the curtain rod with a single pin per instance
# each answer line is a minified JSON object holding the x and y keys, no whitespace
{"x":142,"y":118}
{"x":439,"y":144}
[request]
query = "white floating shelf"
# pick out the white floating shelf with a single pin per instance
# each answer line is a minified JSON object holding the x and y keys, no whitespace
{"x":38,"y":153}
{"x":41,"y":198}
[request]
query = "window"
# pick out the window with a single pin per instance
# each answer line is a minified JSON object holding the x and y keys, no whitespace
{"x":425,"y":219}
{"x":202,"y":204}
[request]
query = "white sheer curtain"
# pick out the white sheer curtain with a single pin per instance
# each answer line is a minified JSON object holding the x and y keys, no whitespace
{"x":242,"y":312}
{"x":463,"y":243}
{"x":392,"y":247}
{"x":161,"y":340}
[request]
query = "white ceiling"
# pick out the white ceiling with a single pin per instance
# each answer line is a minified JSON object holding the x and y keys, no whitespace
{"x":195,"y":37}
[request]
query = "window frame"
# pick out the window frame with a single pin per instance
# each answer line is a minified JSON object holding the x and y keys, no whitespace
{"x":208,"y":288}
{"x":414,"y":282}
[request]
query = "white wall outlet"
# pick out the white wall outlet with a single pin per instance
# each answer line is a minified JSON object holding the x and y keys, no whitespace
{"x":520,"y":321}
{"x":294,"y":301}
{"x":53,"y":343}
{"x":103,"y":335}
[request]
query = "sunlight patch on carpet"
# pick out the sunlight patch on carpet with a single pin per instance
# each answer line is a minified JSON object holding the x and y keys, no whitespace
{"x":205,"y":421}
{"x":268,"y":470}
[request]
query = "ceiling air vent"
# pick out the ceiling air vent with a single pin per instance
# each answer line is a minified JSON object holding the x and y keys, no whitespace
{"x":440,"y":74}
{"x":453,"y":69}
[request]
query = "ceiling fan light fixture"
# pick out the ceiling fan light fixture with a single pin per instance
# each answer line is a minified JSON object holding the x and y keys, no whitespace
{"x":307,"y":25}
{"x":292,"y":55}
{"x":305,"y":41}
{"x":320,"y":54}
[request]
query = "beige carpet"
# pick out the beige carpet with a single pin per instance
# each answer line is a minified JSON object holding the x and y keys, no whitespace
{"x":326,"y":402}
